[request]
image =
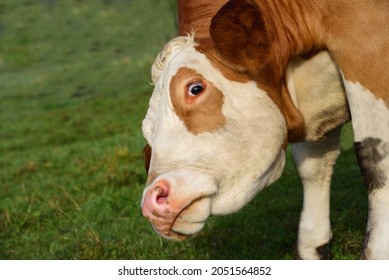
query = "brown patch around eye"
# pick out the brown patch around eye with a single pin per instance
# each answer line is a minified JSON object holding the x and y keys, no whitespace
{"x":201,"y":113}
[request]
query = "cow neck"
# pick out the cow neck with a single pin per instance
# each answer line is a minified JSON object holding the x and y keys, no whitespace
{"x":294,"y":29}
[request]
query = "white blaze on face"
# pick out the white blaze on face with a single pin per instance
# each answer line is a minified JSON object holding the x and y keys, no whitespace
{"x":238,"y":155}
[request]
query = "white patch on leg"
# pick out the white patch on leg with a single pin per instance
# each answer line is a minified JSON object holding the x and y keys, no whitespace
{"x":370,"y":117}
{"x":377,"y":243}
{"x":315,"y":162}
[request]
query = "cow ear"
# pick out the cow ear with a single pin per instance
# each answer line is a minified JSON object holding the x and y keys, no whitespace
{"x":240,"y":37}
{"x":147,"y":157}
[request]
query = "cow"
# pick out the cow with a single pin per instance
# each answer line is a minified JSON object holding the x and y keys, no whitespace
{"x":230,"y":96}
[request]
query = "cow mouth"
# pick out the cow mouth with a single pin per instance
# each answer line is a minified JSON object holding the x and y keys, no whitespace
{"x":173,"y":235}
{"x":177,"y":226}
{"x":166,"y":231}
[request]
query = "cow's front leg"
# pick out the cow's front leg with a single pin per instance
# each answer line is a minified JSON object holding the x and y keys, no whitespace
{"x":370,"y":115}
{"x":315,"y":162}
{"x":376,"y":245}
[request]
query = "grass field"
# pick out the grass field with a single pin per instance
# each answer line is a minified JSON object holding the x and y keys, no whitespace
{"x":74,"y":88}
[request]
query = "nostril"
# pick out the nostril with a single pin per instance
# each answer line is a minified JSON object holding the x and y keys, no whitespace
{"x":161,"y":194}
{"x":155,"y":204}
{"x":161,"y":199}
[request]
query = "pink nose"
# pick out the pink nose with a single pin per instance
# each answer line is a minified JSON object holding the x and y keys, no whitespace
{"x":156,"y":203}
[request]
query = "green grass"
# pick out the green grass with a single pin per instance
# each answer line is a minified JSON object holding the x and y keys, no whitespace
{"x":74,"y":88}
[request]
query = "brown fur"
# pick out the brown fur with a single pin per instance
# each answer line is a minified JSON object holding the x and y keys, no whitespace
{"x":242,"y":39}
{"x":257,"y":38}
{"x":197,"y":15}
{"x":147,"y":153}
{"x":261,"y":36}
{"x":294,"y":119}
{"x":202,"y":113}
{"x":359,"y":42}
{"x":147,"y":157}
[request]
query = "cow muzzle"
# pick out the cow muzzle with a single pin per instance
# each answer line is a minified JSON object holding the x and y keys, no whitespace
{"x":177,"y":203}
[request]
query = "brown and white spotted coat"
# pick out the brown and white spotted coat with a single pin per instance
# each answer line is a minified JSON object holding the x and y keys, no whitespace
{"x":227,"y":101}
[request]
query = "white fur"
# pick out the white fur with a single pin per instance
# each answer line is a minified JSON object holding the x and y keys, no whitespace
{"x":316,"y":89}
{"x":370,"y":114}
{"x":315,"y":162}
{"x":242,"y":157}
{"x":371,"y":120}
{"x":225,"y":168}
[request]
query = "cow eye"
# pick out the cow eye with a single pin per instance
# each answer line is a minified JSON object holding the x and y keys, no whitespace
{"x":195,"y":89}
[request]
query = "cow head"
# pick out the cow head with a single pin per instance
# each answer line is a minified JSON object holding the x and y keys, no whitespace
{"x":214,"y":140}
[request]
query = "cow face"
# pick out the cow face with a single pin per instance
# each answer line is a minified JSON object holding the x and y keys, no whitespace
{"x":213,"y":143}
